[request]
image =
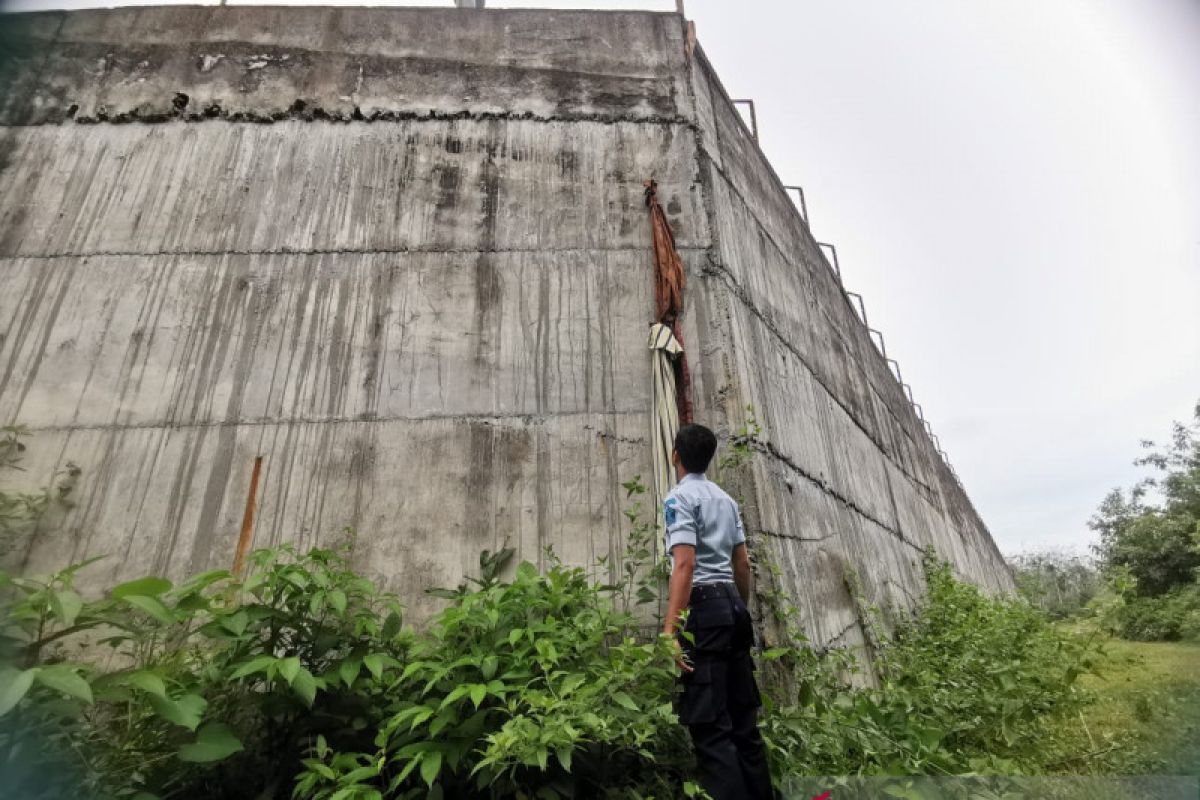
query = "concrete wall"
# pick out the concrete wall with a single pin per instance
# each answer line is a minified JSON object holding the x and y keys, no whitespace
{"x":422,"y":294}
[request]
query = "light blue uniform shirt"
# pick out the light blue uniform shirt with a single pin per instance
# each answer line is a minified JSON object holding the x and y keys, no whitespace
{"x":700,"y":513}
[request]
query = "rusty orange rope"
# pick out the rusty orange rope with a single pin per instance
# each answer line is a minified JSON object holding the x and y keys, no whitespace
{"x":669,"y":283}
{"x":668,"y":269}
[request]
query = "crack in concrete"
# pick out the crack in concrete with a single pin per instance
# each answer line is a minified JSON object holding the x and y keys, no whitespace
{"x":829,"y":643}
{"x":769,"y":449}
{"x":718,"y":270}
{"x":299,"y":110}
{"x":613,"y":437}
{"x":793,"y":537}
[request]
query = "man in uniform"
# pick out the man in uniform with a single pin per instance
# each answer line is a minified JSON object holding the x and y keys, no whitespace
{"x":710,"y":576}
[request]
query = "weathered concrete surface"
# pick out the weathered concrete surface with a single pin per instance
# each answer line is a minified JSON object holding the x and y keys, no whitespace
{"x":156,"y":63}
{"x":422,"y":294}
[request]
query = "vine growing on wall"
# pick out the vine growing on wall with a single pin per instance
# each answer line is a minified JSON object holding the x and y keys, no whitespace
{"x":23,"y":513}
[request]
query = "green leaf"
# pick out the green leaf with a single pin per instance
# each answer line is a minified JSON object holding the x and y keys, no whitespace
{"x":455,"y":694}
{"x":289,"y":668}
{"x":142,"y":587}
{"x":420,"y":717}
{"x":624,"y":700}
{"x":337,"y":599}
{"x":151,"y":606}
{"x":478,"y":692}
{"x":67,"y":605}
{"x":349,"y":669}
{"x":527,"y":571}
{"x":431,"y":764}
{"x":202,"y":581}
{"x":252,"y":666}
{"x":488,"y":667}
{"x":357,"y":776}
{"x":187,"y":711}
{"x":214,"y":742}
{"x":65,"y":678}
{"x":404,"y":773}
{"x":148,"y":682}
{"x":930,"y":737}
{"x":374,"y":662}
{"x":391,"y":626}
{"x":236,"y":622}
{"x":305,"y":685}
{"x":514,"y":635}
{"x":564,"y":757}
{"x":13,"y":686}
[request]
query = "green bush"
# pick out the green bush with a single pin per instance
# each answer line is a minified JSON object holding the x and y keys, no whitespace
{"x":215,"y":688}
{"x":1169,"y":617}
{"x":298,"y":681}
{"x":966,"y":683}
{"x":534,"y":686}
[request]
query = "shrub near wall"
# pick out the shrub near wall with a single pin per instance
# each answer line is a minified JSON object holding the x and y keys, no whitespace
{"x":299,"y":680}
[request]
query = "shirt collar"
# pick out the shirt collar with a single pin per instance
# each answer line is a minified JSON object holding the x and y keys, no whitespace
{"x":693,"y":476}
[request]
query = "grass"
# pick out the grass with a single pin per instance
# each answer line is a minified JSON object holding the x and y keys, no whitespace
{"x":1146,"y":717}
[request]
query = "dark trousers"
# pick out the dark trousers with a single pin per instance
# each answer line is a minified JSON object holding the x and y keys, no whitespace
{"x":719,"y":702}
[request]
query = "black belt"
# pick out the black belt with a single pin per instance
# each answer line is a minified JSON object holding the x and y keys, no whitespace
{"x":710,"y":591}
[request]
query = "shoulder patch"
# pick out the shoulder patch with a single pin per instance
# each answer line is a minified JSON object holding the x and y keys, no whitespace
{"x":669,"y":511}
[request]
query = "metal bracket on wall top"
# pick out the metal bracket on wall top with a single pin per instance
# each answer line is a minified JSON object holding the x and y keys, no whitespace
{"x":896,"y":366}
{"x":862,"y":308}
{"x":878,"y":338}
{"x":753,"y":117}
{"x":832,"y":258}
{"x":803,"y":206}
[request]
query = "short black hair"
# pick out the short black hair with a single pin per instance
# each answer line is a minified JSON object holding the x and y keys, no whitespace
{"x":695,"y":445}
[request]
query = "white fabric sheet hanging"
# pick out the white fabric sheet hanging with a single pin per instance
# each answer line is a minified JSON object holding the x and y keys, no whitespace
{"x":665,"y":348}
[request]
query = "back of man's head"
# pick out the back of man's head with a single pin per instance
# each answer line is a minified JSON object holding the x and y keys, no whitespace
{"x":695,"y":445}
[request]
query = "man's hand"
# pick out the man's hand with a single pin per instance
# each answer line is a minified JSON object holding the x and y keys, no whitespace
{"x":680,"y":659}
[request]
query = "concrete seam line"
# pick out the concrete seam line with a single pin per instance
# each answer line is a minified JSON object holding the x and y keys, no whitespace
{"x":719,"y":271}
{"x":331,"y":251}
{"x":484,"y":419}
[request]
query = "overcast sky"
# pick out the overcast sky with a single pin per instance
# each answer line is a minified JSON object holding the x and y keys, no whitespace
{"x":1014,"y":187}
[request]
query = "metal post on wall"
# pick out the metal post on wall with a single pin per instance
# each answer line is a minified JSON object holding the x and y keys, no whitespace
{"x":832,"y":258}
{"x":753,"y":117}
{"x":803,"y":205}
{"x":862,"y":308}
{"x":878,"y":337}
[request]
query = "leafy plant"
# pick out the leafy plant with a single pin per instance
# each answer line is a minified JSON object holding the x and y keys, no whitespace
{"x":216,"y":683}
{"x":22,"y":512}
{"x":527,"y":688}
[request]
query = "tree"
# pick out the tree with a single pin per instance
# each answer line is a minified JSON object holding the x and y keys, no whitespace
{"x":1150,"y":542}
